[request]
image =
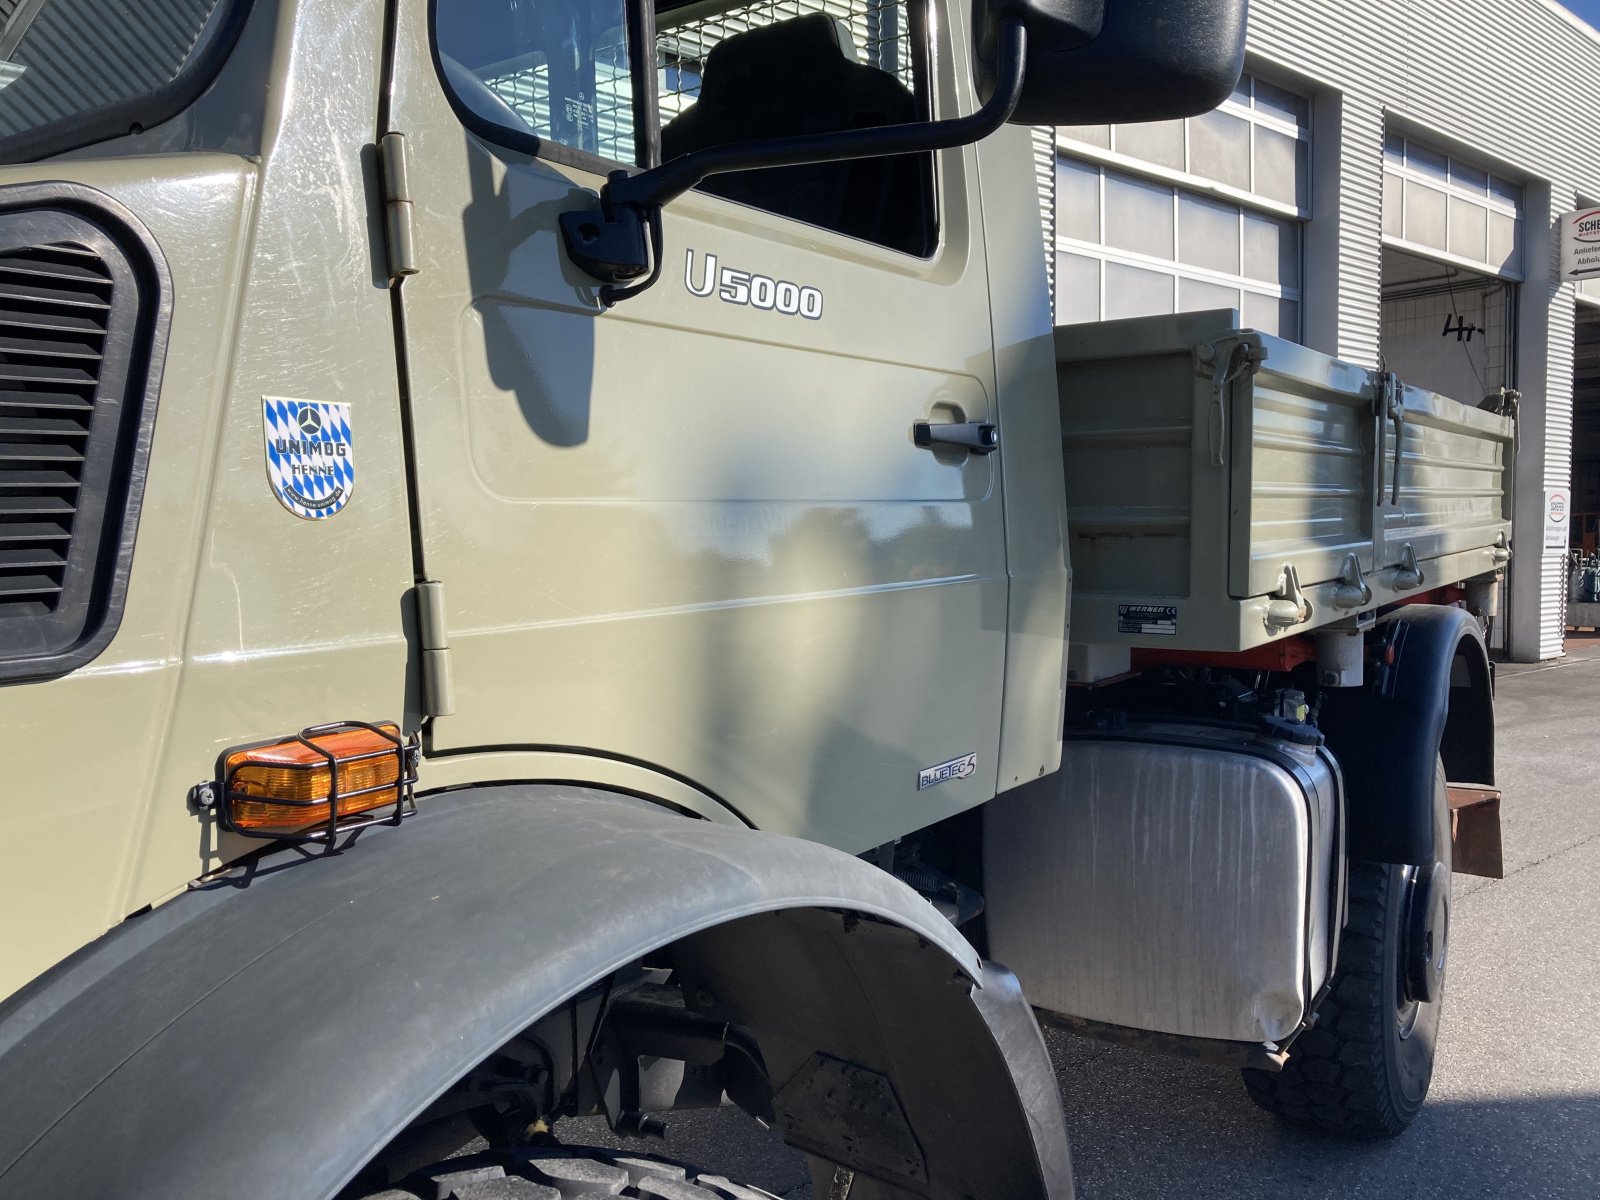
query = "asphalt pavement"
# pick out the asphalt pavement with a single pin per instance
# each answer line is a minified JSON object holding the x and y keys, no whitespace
{"x":1514,"y":1109}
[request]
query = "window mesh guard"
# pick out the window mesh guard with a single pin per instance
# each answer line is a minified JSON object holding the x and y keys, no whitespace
{"x":879,"y":29}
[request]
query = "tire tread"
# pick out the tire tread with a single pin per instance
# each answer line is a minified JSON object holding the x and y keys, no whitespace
{"x":647,"y":1177}
{"x":1335,"y":1080}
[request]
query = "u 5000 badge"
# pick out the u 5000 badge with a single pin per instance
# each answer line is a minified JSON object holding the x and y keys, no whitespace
{"x":746,"y":287}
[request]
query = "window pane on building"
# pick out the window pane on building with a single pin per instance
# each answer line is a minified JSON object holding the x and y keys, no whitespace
{"x":1077,"y":289}
{"x":1504,"y":189}
{"x":1469,"y":177}
{"x":1077,"y":200}
{"x":1278,"y":173}
{"x":1196,"y":295}
{"x":1136,"y":292}
{"x":1158,"y":142}
{"x":1208,"y":234}
{"x":1469,"y":229}
{"x":1504,"y":244}
{"x":1275,"y":101}
{"x":1219,"y":148}
{"x":1271,"y":250}
{"x":1139,"y":216}
{"x":1393,"y":187}
{"x":1426,"y":216}
{"x":1428,"y":162}
{"x":1094,"y":135}
{"x":1270,"y":314}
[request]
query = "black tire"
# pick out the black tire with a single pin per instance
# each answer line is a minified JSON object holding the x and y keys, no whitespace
{"x":562,"y":1173}
{"x":1363,"y":1069}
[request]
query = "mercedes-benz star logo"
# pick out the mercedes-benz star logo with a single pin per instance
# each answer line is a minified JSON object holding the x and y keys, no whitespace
{"x":310,"y":422}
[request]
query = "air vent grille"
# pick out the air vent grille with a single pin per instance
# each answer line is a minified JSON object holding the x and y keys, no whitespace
{"x":85,"y":308}
{"x":55,"y":306}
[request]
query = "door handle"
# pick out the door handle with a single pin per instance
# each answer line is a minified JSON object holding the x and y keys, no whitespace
{"x":975,"y":437}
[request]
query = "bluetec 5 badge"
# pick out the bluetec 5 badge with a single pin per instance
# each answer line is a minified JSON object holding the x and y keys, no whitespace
{"x":964,"y":767}
{"x":310,"y":461}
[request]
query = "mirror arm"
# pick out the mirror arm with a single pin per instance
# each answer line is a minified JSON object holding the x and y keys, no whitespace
{"x":611,"y":244}
{"x":663,"y":184}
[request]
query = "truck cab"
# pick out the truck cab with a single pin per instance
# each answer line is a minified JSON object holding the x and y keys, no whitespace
{"x":684,"y":545}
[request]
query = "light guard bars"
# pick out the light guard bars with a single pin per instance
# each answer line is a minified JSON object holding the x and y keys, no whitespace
{"x":321,"y":782}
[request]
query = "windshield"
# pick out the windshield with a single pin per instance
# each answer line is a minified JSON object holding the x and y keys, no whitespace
{"x":74,"y":72}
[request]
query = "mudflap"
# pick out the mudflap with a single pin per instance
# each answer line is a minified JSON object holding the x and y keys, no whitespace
{"x":1475,"y":838}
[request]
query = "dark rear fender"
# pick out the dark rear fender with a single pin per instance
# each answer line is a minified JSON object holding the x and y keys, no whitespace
{"x":272,"y":1033}
{"x":1434,"y":699}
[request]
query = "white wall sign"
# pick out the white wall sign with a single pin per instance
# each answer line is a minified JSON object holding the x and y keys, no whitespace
{"x":1580,"y":244}
{"x":1557,"y":510}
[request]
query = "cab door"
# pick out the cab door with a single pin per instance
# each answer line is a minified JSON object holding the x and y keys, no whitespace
{"x":694,"y":530}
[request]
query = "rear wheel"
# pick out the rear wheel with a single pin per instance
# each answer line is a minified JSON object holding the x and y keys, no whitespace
{"x":1363,"y":1069}
{"x":561,"y":1173}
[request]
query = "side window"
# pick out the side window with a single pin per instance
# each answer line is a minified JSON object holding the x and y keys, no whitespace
{"x":559,"y":78}
{"x":556,"y":71}
{"x":75,"y":72}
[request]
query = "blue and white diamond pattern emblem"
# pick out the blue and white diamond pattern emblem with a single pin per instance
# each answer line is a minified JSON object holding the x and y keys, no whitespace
{"x":310,"y":462}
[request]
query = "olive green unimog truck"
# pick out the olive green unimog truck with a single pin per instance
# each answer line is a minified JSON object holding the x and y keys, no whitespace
{"x":552,"y":564}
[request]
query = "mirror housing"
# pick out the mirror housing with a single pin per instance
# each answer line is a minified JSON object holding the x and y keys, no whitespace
{"x":1094,"y":62}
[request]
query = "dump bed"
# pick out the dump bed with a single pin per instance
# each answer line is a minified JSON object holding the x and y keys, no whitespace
{"x":1226,"y":488}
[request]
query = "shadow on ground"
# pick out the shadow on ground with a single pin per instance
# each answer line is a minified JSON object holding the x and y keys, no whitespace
{"x":1148,"y":1127}
{"x":1143,"y":1126}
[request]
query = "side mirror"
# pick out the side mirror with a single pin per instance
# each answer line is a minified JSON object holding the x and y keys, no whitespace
{"x":620,"y":243}
{"x":1039,"y":62}
{"x":1094,"y":62}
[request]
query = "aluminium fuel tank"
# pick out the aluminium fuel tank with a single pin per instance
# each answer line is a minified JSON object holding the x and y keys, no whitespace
{"x":1184,"y":879}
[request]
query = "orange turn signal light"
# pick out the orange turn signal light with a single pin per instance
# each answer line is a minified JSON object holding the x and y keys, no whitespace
{"x":322,"y":780}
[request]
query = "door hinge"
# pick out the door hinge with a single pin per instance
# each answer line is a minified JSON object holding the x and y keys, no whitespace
{"x":438,"y":692}
{"x":399,"y":229}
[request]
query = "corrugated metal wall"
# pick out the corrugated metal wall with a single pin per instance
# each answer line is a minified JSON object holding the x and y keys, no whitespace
{"x":1512,"y":82}
{"x":1044,"y":172}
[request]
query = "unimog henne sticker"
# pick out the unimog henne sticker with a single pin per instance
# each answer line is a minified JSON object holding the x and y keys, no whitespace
{"x":957,"y":768}
{"x":309,"y":460}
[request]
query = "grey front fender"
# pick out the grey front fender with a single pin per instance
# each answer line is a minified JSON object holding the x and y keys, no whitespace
{"x":267,"y":1035}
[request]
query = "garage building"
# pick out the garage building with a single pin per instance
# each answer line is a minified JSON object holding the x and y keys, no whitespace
{"x":1386,"y":184}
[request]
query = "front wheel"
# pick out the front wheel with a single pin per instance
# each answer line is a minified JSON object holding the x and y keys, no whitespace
{"x":561,"y":1173}
{"x":1363,"y":1069}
